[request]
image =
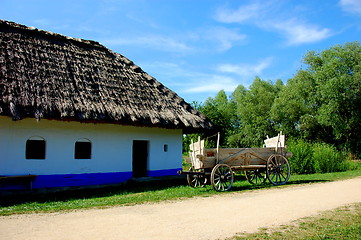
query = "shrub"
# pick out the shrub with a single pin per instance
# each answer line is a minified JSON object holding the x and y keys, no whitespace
{"x":302,"y":157}
{"x":318,"y":157}
{"x":350,"y":162}
{"x":328,"y":159}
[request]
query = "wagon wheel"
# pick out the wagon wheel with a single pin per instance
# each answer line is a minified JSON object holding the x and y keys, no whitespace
{"x":222,"y":177}
{"x":257,"y":176}
{"x":278,"y":169}
{"x":196,"y":180}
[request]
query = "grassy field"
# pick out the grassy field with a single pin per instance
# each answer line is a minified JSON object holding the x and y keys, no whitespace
{"x":342,"y":223}
{"x":139,"y":192}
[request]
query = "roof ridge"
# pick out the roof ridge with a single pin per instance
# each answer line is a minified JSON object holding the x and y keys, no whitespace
{"x":49,"y":33}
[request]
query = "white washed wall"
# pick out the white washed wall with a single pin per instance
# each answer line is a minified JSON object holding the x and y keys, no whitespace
{"x":111,"y":147}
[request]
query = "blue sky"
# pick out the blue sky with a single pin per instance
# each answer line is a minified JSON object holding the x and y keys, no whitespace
{"x":199,"y":47}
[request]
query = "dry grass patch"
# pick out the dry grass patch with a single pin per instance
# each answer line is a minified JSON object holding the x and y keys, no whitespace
{"x":341,"y":223}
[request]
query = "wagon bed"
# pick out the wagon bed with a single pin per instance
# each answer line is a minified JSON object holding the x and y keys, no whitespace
{"x":217,"y":164}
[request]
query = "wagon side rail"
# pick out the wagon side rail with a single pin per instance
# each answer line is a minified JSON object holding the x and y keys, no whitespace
{"x":248,"y":158}
{"x":199,"y":155}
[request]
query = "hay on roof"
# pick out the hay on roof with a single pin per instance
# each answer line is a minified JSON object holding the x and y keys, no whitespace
{"x":47,"y":75}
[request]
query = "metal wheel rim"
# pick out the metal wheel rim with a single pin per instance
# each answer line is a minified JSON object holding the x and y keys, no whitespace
{"x":256,"y":176}
{"x":196,"y":180}
{"x":278,"y":169}
{"x":222,"y":178}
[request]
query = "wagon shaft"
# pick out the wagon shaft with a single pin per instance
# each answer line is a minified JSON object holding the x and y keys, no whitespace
{"x":193,"y":172}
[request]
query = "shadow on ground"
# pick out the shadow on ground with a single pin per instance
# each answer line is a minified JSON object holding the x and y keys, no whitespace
{"x":241,"y":184}
{"x":131,"y":186}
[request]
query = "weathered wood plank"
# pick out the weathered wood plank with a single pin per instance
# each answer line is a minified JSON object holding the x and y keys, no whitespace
{"x":275,"y":142}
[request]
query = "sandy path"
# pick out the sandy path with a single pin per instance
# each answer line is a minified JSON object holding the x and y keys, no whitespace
{"x":197,"y":218}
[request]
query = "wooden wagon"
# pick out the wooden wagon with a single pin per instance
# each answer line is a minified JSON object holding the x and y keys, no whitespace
{"x":218,"y":164}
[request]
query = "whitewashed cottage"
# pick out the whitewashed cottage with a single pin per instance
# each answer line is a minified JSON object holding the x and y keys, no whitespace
{"x":74,"y":113}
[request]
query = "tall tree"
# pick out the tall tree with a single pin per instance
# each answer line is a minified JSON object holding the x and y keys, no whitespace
{"x":222,"y":112}
{"x":292,"y":110}
{"x":253,"y":108}
{"x":323,"y":101}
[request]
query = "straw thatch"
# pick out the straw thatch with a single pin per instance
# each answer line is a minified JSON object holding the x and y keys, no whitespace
{"x":50,"y":76}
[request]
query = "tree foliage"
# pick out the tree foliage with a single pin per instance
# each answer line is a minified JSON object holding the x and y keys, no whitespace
{"x":253,"y":111}
{"x":222,"y":112}
{"x":322,"y":103}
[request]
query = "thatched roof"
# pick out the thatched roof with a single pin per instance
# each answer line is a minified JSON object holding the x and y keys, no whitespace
{"x":51,"y":76}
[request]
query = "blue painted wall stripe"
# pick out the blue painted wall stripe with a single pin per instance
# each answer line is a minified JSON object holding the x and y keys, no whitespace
{"x":77,"y":180}
{"x":85,"y":179}
{"x":161,"y":173}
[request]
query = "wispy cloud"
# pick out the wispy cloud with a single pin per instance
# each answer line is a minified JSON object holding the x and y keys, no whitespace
{"x":224,"y":38}
{"x":246,"y":70}
{"x":212,"y":84}
{"x":157,"y":42}
{"x":351,"y":6}
{"x":211,"y":80}
{"x":213,"y":38}
{"x":267,"y":17}
{"x":297,"y":32}
{"x":239,"y":15}
{"x":185,"y":79}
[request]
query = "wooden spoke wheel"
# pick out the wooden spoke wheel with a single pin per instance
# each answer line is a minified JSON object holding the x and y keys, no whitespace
{"x":222,"y":177}
{"x":257,"y":176}
{"x":196,"y":179}
{"x":278,"y":169}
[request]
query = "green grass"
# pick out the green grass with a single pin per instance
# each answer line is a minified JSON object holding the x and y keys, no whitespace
{"x":342,"y":223}
{"x":137,"y":193}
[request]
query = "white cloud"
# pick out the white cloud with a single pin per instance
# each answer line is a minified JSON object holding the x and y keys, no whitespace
{"x":351,"y":6}
{"x":212,"y":84}
{"x":188,"y":80}
{"x":184,"y":79}
{"x":158,"y":42}
{"x":246,"y":70}
{"x":298,"y":33}
{"x":240,"y":15}
{"x":224,"y":38}
{"x":267,"y":17}
{"x":213,"y":38}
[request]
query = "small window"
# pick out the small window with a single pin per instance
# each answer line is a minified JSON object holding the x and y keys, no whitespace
{"x":165,"y":147}
{"x":83,"y":149}
{"x":35,"y":148}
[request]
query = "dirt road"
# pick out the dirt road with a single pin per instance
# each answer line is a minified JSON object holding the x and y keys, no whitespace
{"x":198,"y":218}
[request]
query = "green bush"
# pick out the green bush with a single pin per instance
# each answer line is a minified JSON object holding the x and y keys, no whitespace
{"x":328,"y":159}
{"x":302,"y":161}
{"x":350,"y":162}
{"x":311,"y":158}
